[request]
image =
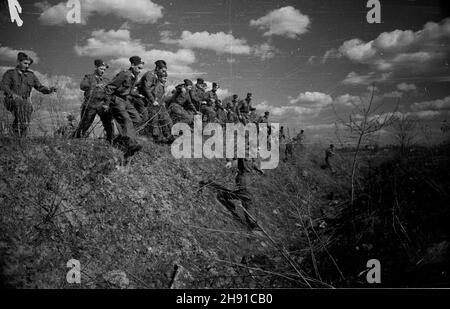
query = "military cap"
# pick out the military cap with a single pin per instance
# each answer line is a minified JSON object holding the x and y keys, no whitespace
{"x":136,"y":60}
{"x":266,"y":113}
{"x":161,"y":64}
{"x":249,"y":94}
{"x":21,"y":56}
{"x":252,"y":109}
{"x":188,"y":82}
{"x":215,"y":84}
{"x":200,"y":81}
{"x":100,"y":63}
{"x":235,"y":96}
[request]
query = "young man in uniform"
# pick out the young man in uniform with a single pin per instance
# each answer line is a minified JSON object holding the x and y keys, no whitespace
{"x":119,"y":92}
{"x":95,"y":103}
{"x":160,"y":123}
{"x":181,"y":108}
{"x":243,"y":109}
{"x":145,"y":88}
{"x":198,"y":94}
{"x":17,"y":84}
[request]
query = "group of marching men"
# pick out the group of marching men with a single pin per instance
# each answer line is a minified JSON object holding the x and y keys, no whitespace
{"x":142,"y":107}
{"x":138,"y":106}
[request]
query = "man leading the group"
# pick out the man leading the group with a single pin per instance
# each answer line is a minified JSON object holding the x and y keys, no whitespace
{"x":17,"y":84}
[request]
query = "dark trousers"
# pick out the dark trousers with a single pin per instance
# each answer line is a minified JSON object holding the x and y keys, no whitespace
{"x":141,"y":108}
{"x":209,"y":115}
{"x":328,"y":164}
{"x":232,"y":117}
{"x":245,"y":118}
{"x":288,"y":151}
{"x":241,"y":194}
{"x":88,"y":113}
{"x":160,"y":124}
{"x":21,"y":110}
{"x":126,"y":116}
{"x":222,"y":116}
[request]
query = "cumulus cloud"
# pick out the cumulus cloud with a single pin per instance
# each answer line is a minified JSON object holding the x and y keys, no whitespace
{"x":286,"y":21}
{"x":142,"y":11}
{"x":354,"y":78}
{"x":357,"y":50}
{"x":112,"y":43}
{"x":434,"y":105}
{"x":324,"y":126}
{"x":316,"y":99}
{"x":422,"y":50}
{"x":393,"y":94}
{"x":428,"y":114}
{"x":406,"y":87}
{"x":220,"y":42}
{"x":307,"y":104}
{"x":264,"y":51}
{"x":10,"y":54}
{"x":425,"y":114}
{"x":119,"y":45}
{"x":53,"y":15}
{"x":347,"y":100}
{"x":280,"y":111}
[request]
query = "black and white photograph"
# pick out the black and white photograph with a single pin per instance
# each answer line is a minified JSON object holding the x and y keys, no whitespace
{"x":225,"y":145}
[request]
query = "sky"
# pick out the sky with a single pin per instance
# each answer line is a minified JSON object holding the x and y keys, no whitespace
{"x":297,"y":58}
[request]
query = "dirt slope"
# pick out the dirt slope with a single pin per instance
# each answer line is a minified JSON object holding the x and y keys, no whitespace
{"x":148,"y":224}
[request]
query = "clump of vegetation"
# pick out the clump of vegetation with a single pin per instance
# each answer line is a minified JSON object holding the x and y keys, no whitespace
{"x":400,"y":218}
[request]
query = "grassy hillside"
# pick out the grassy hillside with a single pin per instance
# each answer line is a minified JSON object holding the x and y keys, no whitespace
{"x":151,"y":225}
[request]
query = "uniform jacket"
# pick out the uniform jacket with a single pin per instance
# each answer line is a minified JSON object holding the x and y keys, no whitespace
{"x":90,"y":83}
{"x":122,"y":85}
{"x":198,"y":95}
{"x":20,"y":83}
{"x":211,"y":98}
{"x":263,"y":119}
{"x":231,"y":106}
{"x":148,"y":85}
{"x":183,"y":98}
{"x":243,"y":106}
